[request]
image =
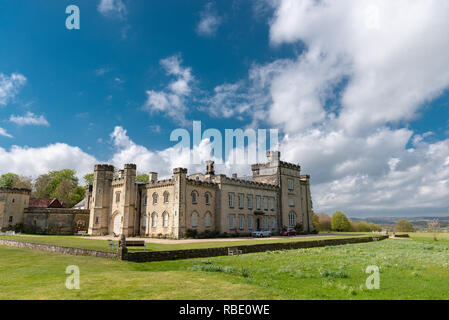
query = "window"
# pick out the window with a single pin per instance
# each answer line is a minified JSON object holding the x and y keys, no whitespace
{"x":290,"y":184}
{"x":241,"y":201}
{"x":165,"y":219}
{"x":195,"y":220}
{"x":250,"y":202}
{"x":10,"y":219}
{"x":144,"y":221}
{"x":265,"y":222}
{"x":117,"y":197}
{"x":273,"y":223}
{"x":271,"y":204}
{"x":194,"y":197}
{"x":241,"y":220}
{"x":250,"y":222}
{"x":291,"y":219}
{"x":207,"y":198}
{"x":291,"y":201}
{"x":96,"y":220}
{"x":231,"y":222}
{"x":155,"y":198}
{"x":154,"y":220}
{"x":166,"y":194}
{"x":231,"y":200}
{"x":258,"y":202}
{"x":145,"y":200}
{"x":13,"y":200}
{"x":207,"y":220}
{"x":265,"y":203}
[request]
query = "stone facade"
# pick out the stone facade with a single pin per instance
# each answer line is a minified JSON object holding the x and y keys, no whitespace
{"x":15,"y":211}
{"x":276,"y":196}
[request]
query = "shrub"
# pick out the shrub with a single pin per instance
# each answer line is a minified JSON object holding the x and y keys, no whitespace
{"x":299,"y":228}
{"x":403,"y":225}
{"x":340,"y":222}
{"x":191,"y":233}
{"x":324,"y":222}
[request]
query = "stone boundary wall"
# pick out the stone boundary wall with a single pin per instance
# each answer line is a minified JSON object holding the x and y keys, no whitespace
{"x":55,"y":220}
{"x":59,"y":249}
{"x":223,"y":251}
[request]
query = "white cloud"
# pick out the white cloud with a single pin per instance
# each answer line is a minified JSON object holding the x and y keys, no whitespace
{"x":4,"y":133}
{"x":172,"y":101}
{"x":29,"y":119}
{"x":35,"y":161}
{"x":209,"y":22}
{"x":9,"y":86}
{"x":112,"y":8}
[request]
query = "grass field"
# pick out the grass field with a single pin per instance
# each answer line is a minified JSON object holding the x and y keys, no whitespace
{"x":416,"y":268}
{"x":79,"y":242}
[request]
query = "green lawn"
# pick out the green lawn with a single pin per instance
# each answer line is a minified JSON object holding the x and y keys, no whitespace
{"x":416,"y":268}
{"x":79,"y":242}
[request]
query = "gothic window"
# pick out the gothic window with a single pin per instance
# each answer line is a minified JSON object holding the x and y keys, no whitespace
{"x":145,"y":200}
{"x":117,"y":197}
{"x":292,"y":219}
{"x":290,"y":184}
{"x":154,"y":220}
{"x":250,"y":222}
{"x":207,"y":198}
{"x":250,"y":202}
{"x":165,"y":217}
{"x":231,"y":200}
{"x":166,"y":194}
{"x":194,"y":197}
{"x":207,"y":219}
{"x":10,"y":219}
{"x":195,"y":220}
{"x":231,"y":222}
{"x":144,"y":221}
{"x":155,"y":196}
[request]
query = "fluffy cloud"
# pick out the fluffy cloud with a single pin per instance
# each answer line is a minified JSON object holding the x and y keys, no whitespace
{"x":172,"y":101}
{"x":209,"y":21}
{"x":34,"y":161}
{"x":4,"y":133}
{"x":112,"y":8}
{"x":29,"y":119}
{"x":9,"y":86}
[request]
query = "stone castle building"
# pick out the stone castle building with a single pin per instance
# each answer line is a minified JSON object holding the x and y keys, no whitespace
{"x":277,"y":195}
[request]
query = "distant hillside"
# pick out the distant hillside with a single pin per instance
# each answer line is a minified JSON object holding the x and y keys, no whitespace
{"x":420,"y":223}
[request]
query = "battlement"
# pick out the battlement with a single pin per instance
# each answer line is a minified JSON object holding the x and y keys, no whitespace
{"x":179,"y":170}
{"x":104,"y":167}
{"x":130,"y":166}
{"x":15,"y":190}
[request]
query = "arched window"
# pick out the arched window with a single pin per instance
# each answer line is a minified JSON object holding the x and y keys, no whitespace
{"x":166,"y":194}
{"x":165,"y":217}
{"x":194,"y":219}
{"x":145,"y":200}
{"x":207,"y":219}
{"x":154,"y":198}
{"x":194,"y":197}
{"x":291,"y":219}
{"x":144,"y":221}
{"x":207,"y":198}
{"x":154,"y":220}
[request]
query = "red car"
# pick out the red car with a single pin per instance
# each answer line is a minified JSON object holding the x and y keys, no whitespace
{"x":289,"y":232}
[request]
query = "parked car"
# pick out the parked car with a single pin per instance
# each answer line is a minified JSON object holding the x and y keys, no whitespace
{"x":261,"y":233}
{"x":289,"y":232}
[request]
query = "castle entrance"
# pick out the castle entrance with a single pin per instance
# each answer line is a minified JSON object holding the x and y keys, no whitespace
{"x":117,"y":221}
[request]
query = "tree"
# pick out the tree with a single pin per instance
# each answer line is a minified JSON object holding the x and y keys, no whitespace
{"x":363,"y":227}
{"x":340,"y":222}
{"x":62,"y":185}
{"x":434,"y":227}
{"x":12,"y":180}
{"x":89,"y":179}
{"x":325,"y":222}
{"x":143,"y":178}
{"x":315,"y":221}
{"x":403,"y":225}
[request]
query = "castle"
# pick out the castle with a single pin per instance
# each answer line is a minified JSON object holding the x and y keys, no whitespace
{"x":276,"y":196}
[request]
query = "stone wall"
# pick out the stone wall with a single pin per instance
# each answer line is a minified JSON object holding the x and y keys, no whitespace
{"x":223,"y":251}
{"x":55,"y":220}
{"x":59,"y":249}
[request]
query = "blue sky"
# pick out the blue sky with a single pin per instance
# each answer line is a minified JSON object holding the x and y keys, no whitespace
{"x":358,"y":90}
